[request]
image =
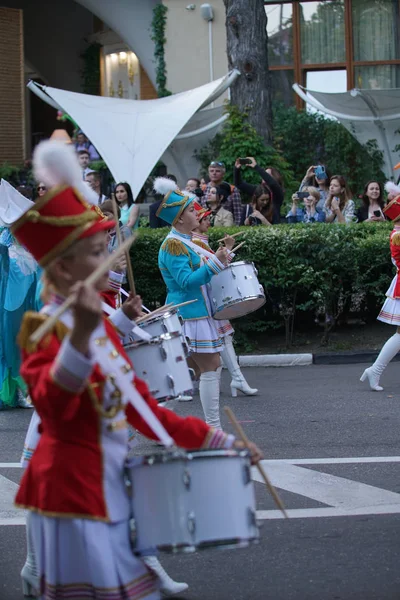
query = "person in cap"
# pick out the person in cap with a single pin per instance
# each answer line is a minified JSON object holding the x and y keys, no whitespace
{"x":186,"y":274}
{"x":390,"y":312}
{"x":84,"y":389}
{"x":225,"y":329}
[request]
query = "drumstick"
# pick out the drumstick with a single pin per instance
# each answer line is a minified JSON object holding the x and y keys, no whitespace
{"x":129,"y":270}
{"x":154,"y":313}
{"x":99,"y":272}
{"x":238,"y":246}
{"x":233,"y":235}
{"x":245,"y":440}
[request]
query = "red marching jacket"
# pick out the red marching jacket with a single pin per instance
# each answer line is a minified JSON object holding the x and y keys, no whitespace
{"x":395,"y":252}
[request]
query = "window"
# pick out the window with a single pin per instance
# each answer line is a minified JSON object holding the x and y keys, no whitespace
{"x":322,"y":32}
{"x":375,"y":30}
{"x":281,"y":87}
{"x":280,"y":34}
{"x":377,"y":77}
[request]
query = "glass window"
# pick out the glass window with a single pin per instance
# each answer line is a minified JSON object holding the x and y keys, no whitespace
{"x":378,"y":77}
{"x":322,"y":32}
{"x":333,"y":80}
{"x":280,"y":34}
{"x":375,"y":29}
{"x":281,"y":87}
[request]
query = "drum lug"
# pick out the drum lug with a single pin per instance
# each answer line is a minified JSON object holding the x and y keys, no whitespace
{"x":180,"y":320}
{"x":246,"y":474}
{"x":252,"y":517}
{"x":185,"y":349}
{"x":187,"y":480}
{"x":233,"y":274}
{"x":164,"y":327}
{"x":192,"y":374}
{"x":214,"y":302}
{"x":171,"y":381}
{"x":163,"y":352}
{"x":239,"y":292}
{"x":191,"y":522}
{"x":255,"y":271}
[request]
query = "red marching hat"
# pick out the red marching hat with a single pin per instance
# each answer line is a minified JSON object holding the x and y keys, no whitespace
{"x":66,"y":213}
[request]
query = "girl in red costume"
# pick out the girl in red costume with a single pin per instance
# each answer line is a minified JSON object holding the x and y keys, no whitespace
{"x":84,"y":389}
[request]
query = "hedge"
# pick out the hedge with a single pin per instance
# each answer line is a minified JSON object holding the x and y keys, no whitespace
{"x":308,"y":272}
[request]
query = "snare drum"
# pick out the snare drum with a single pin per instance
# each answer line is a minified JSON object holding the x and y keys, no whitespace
{"x":236,"y":291}
{"x":187,"y":501}
{"x":161,"y":362}
{"x":168,"y":322}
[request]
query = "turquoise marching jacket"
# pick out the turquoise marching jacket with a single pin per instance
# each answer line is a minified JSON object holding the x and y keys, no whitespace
{"x":184,"y":275}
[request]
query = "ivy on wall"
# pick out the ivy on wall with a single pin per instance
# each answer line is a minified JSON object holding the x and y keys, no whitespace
{"x":91,"y":69}
{"x":158,"y":36}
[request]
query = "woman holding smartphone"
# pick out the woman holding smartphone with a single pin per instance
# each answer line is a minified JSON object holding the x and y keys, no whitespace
{"x":339,"y":207}
{"x":373,"y":203}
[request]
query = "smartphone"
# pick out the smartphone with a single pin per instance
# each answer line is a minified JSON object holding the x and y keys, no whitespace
{"x":244,"y":161}
{"x":377,"y":213}
{"x":302,"y":195}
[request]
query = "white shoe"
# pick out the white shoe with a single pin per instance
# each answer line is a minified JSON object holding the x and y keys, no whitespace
{"x":30,"y":582}
{"x":168,"y":587}
{"x":23,"y":401}
{"x":184,"y":398}
{"x":373,"y":377}
{"x":243,"y":386}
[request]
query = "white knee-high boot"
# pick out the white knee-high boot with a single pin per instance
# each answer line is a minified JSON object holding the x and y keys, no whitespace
{"x":209,"y":396}
{"x":374,"y":372}
{"x":29,"y":573}
{"x":168,"y":586}
{"x":229,"y":358}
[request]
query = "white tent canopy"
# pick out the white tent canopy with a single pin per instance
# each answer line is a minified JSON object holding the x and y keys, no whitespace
{"x":367,"y":114}
{"x":132,"y":135}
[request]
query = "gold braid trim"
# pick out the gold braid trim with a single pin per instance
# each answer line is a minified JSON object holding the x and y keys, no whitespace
{"x":395,"y":240}
{"x":172,"y":204}
{"x":201,"y":244}
{"x":30,"y":322}
{"x":174,"y":247}
{"x":68,"y":221}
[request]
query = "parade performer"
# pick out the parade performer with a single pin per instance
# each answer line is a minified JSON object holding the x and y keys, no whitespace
{"x":186,"y":275}
{"x":84,"y":389}
{"x":225,"y":329}
{"x":18,"y":280}
{"x":390,"y":312}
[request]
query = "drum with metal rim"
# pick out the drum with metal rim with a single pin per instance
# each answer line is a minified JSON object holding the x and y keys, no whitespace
{"x":236,"y":291}
{"x":187,"y":501}
{"x":168,"y":322}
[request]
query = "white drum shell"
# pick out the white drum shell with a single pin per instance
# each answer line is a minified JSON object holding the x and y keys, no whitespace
{"x":203,"y":500}
{"x":236,"y":291}
{"x":161,"y":362}
{"x":168,"y":322}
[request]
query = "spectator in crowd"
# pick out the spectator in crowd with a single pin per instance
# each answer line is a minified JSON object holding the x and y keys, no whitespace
{"x":339,"y":207}
{"x":82,"y":143}
{"x":84,"y":161}
{"x":154,"y":220}
{"x":261,"y":209}
{"x":216,"y":172}
{"x":41,"y":189}
{"x":318,"y":177}
{"x":272,"y":186}
{"x":192,"y":184}
{"x":204,"y":181}
{"x":309,"y":212}
{"x":94,"y":180}
{"x":129,"y":210}
{"x":107,"y":210}
{"x":217,"y":200}
{"x":372,"y":203}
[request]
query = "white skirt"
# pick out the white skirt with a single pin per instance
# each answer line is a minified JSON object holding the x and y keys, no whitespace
{"x":202,"y":335}
{"x":224,"y":328}
{"x":390,"y":311}
{"x":88,"y":560}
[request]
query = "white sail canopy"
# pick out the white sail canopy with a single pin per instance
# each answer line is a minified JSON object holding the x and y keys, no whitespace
{"x":132,"y":135}
{"x":12,"y":204}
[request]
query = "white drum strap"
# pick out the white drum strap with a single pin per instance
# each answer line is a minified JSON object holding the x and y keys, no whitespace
{"x":198,"y":249}
{"x":136,"y":330}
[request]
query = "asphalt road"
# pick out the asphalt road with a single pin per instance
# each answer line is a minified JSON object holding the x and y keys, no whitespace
{"x":343,"y":539}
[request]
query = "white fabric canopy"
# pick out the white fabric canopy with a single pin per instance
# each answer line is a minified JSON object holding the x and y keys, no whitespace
{"x":132,"y":135}
{"x":12,"y":204}
{"x":366,"y":114}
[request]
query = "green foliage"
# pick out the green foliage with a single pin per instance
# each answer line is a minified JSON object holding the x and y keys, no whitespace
{"x":307,"y":271}
{"x":158,"y":36}
{"x":239,"y":139}
{"x":17,"y":175}
{"x":91,"y":69}
{"x":305,"y":139}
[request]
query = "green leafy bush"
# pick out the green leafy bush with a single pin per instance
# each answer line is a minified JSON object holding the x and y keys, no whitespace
{"x":308,"y":271}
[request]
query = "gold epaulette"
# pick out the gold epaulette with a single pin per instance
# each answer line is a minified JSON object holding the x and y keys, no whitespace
{"x":30,"y":322}
{"x":395,"y":239}
{"x":200,"y":243}
{"x":174,"y":247}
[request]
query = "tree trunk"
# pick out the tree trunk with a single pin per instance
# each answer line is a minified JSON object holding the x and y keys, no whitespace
{"x":247,"y":48}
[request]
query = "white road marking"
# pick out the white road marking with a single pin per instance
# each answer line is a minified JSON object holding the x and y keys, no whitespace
{"x":10,"y":465}
{"x":335,"y":461}
{"x":306,"y":513}
{"x":9,"y":515}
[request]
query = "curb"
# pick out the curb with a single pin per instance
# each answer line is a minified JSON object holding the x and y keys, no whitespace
{"x":304,"y":360}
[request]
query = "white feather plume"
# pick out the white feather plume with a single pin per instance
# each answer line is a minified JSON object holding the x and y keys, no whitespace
{"x":163,"y":185}
{"x":56,"y":163}
{"x":392,"y":188}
